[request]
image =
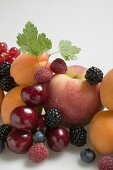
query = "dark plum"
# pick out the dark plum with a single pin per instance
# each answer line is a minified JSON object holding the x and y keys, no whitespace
{"x":34,"y":95}
{"x":24,"y":118}
{"x":58,"y":139}
{"x":18,"y":141}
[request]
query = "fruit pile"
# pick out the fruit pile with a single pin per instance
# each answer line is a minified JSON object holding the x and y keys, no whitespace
{"x":47,"y":105}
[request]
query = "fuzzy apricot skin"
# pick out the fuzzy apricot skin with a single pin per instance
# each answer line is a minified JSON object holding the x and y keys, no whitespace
{"x":24,"y":68}
{"x":101,"y":132}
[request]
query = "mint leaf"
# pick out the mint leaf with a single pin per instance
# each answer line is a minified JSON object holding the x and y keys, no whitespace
{"x":32,"y":43}
{"x":67,"y":50}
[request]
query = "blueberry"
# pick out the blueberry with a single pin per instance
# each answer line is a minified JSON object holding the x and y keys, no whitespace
{"x":88,"y":155}
{"x":2,"y":146}
{"x":39,"y":137}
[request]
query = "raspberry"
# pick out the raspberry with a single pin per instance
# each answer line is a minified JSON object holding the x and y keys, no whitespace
{"x":58,"y":66}
{"x":7,"y":83}
{"x":53,"y":118}
{"x":4,"y":69}
{"x":94,"y":75}
{"x":43,"y":75}
{"x":78,"y":135}
{"x":38,"y":152}
{"x":4,"y":131}
{"x":106,"y":163}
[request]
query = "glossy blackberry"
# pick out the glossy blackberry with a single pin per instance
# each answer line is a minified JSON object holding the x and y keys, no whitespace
{"x":7,"y":83}
{"x":53,"y":118}
{"x":2,"y":145}
{"x":78,"y":136}
{"x":4,"y":69}
{"x":4,"y":130}
{"x":94,"y":75}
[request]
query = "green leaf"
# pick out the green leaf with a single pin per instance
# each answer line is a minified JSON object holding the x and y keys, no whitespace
{"x":44,"y":43}
{"x":67,"y":50}
{"x":32,"y":43}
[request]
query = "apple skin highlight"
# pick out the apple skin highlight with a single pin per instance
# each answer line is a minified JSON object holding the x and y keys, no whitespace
{"x":76,"y":99}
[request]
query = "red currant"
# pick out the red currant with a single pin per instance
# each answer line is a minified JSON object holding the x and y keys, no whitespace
{"x":3,"y":47}
{"x":14,"y":52}
{"x":10,"y":60}
{"x":4,"y":57}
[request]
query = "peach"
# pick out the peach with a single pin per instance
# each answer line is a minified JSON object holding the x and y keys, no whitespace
{"x":106,"y":90}
{"x":77,"y":100}
{"x":10,"y":102}
{"x":76,"y":72}
{"x":25,"y":66}
{"x":101,"y":132}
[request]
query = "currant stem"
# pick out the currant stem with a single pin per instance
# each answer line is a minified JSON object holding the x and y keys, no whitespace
{"x":51,"y":55}
{"x":54,"y":53}
{"x":37,"y":61}
{"x":48,"y":59}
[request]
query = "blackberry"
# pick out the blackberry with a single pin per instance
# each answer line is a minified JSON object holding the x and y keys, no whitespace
{"x":7,"y":83}
{"x":2,"y":146}
{"x":94,"y":75}
{"x":4,"y":130}
{"x":4,"y":69}
{"x":78,"y":135}
{"x":53,"y":118}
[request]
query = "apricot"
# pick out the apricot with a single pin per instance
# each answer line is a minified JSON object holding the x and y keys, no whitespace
{"x":1,"y":97}
{"x":10,"y":102}
{"x":101,"y":132}
{"x":106,"y":90}
{"x":43,"y":57}
{"x":24,"y":68}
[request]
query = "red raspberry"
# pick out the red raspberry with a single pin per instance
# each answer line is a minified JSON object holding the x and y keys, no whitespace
{"x":106,"y":163}
{"x":43,"y":75}
{"x":38,"y":152}
{"x":58,"y":66}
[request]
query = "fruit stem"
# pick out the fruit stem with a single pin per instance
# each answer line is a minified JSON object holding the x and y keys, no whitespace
{"x":37,"y":61}
{"x":51,"y":55}
{"x":54,"y":53}
{"x":48,"y":59}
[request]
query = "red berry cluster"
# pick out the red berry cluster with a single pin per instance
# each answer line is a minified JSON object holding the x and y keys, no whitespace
{"x":8,"y":55}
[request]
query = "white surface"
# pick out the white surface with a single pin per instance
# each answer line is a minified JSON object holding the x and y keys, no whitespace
{"x":89,"y":25}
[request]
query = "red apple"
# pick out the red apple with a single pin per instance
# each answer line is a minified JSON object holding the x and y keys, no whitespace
{"x":77,"y":100}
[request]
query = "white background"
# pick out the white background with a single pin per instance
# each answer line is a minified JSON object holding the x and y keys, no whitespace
{"x":89,"y":25}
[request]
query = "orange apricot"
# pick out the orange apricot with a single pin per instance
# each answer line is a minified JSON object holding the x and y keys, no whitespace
{"x":43,"y":57}
{"x":24,"y":68}
{"x":101,"y":132}
{"x":106,"y":90}
{"x":1,"y":97}
{"x":10,"y":102}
